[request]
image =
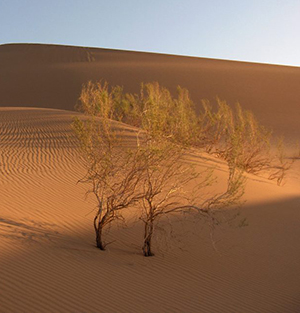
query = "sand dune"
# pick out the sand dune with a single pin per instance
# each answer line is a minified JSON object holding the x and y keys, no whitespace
{"x":48,"y":261}
{"x":51,"y":76}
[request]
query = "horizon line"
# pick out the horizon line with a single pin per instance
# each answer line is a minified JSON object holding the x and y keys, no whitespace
{"x":149,"y":52}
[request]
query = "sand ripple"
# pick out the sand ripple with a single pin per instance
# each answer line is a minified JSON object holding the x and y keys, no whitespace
{"x":48,"y":262}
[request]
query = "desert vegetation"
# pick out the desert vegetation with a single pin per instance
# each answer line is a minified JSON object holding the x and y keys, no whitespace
{"x":231,"y":133}
{"x":149,"y":173}
{"x":280,"y":163}
{"x":234,"y":134}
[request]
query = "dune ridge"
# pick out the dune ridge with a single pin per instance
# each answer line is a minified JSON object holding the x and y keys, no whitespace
{"x":51,"y":76}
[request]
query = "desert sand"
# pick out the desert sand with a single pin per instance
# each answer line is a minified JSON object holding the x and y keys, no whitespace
{"x":48,"y":259}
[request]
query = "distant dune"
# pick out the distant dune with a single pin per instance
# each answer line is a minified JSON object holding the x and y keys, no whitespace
{"x":51,"y":76}
{"x":48,"y":259}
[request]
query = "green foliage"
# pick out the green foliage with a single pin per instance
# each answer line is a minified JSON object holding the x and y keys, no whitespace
{"x":154,"y":109}
{"x":281,"y":164}
{"x":236,"y":136}
{"x":113,"y":170}
{"x":230,"y":133}
{"x":152,"y":172}
{"x":97,"y":100}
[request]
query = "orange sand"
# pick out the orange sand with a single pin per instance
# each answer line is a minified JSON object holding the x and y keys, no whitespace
{"x":48,"y":262}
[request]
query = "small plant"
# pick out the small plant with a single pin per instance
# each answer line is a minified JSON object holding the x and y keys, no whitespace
{"x":235,"y":136}
{"x":164,"y":194}
{"x":162,"y":115}
{"x":113,"y":170}
{"x":281,"y":164}
{"x":162,"y":186}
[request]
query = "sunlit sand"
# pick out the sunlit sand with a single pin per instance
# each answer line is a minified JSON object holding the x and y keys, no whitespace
{"x":48,"y":259}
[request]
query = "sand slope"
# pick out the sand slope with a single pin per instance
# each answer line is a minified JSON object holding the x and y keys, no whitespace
{"x":48,"y":262}
{"x":51,"y":76}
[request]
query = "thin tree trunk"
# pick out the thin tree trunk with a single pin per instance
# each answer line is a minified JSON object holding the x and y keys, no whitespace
{"x":99,"y":242}
{"x":148,"y":238}
{"x":98,"y":225}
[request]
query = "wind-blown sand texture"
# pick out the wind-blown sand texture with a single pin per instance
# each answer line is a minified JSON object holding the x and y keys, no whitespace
{"x":48,"y":261}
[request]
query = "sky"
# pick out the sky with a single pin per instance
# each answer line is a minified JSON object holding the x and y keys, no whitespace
{"x":263,"y":31}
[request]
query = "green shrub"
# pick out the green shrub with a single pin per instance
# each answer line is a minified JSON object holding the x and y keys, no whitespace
{"x":233,"y":134}
{"x":236,"y":136}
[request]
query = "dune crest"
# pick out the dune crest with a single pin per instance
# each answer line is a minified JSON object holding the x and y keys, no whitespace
{"x":51,"y":76}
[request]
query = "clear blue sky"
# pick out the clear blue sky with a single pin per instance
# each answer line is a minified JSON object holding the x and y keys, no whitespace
{"x":266,"y":31}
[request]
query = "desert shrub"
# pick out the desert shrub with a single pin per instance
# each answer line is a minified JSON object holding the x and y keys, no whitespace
{"x":157,"y":105}
{"x":164,"y":193}
{"x":150,"y":172}
{"x":163,"y":183}
{"x":185,"y":124}
{"x":236,"y":136}
{"x":97,"y":100}
{"x":213,"y":126}
{"x":153,"y":109}
{"x":233,"y":134}
{"x":168,"y":117}
{"x":127,"y":107}
{"x":113,"y":170}
{"x":281,"y":164}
